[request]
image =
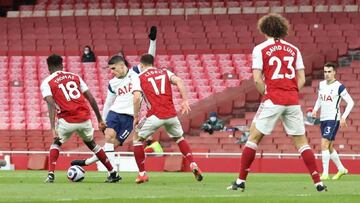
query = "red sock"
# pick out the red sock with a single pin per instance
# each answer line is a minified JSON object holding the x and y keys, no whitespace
{"x":53,"y":156}
{"x":139,"y":157}
{"x":103,"y":158}
{"x":248,"y":156}
{"x":185,"y":150}
{"x":309,"y":159}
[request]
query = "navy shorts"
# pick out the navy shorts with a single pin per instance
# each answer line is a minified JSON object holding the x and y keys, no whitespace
{"x":329,"y":129}
{"x":121,"y":123}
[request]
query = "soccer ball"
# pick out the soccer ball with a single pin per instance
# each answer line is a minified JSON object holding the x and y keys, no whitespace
{"x":76,"y":173}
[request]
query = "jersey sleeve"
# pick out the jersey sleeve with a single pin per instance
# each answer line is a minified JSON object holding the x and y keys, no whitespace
{"x":135,"y":82}
{"x":45,"y":89}
{"x":299,"y":61}
{"x":83,"y":86}
{"x":257,"y":62}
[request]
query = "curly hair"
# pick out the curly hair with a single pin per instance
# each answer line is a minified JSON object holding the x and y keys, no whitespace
{"x":274,"y":25}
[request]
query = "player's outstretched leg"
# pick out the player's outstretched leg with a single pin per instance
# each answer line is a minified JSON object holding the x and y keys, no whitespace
{"x":53,"y":156}
{"x":186,"y":151}
{"x":248,"y":156}
{"x":341,"y":169}
{"x":139,"y":154}
{"x":309,"y":159}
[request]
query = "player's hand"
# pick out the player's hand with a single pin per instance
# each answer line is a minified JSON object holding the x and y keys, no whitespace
{"x":314,"y":114}
{"x":102,"y":126}
{"x":54,"y":134}
{"x":152,"y":34}
{"x":343,"y":123}
{"x":185,"y":107}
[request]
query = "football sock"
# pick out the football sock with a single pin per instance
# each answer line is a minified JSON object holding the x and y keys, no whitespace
{"x":91,"y":160}
{"x":185,"y":149}
{"x":110,"y":152}
{"x":325,"y":161}
{"x":248,"y":156}
{"x":309,"y":159}
{"x":139,"y":155}
{"x":99,"y":152}
{"x":335,"y":158}
{"x":53,"y":156}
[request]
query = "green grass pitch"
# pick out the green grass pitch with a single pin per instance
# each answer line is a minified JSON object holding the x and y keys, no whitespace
{"x":28,"y":186}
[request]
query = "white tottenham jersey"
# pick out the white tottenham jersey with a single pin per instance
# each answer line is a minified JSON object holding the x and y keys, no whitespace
{"x":119,"y":96}
{"x":329,"y":98}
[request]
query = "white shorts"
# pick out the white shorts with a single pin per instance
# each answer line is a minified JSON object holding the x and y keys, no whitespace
{"x":268,"y":114}
{"x":149,"y":125}
{"x":85,"y":130}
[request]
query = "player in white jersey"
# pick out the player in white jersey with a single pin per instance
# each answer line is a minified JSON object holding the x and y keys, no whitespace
{"x":118,"y":109}
{"x":330,"y":93}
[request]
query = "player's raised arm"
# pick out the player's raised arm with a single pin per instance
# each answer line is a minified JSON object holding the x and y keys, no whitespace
{"x":94,"y":106}
{"x":185,"y":107}
{"x":152,"y":37}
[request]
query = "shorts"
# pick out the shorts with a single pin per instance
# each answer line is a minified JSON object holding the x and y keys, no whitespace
{"x":329,"y":129}
{"x":121,"y":123}
{"x":268,"y":114}
{"x":84,"y":130}
{"x":149,"y":125}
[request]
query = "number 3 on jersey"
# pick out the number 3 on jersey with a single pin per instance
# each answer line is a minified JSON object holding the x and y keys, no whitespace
{"x":277,"y":74}
{"x":70,"y":90}
{"x":162,"y":84}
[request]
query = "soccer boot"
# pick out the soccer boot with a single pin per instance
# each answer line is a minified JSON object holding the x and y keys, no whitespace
{"x":340,"y":174}
{"x":50,"y":178}
{"x":78,"y":162}
{"x":324,"y":177}
{"x":141,"y":179}
{"x":113,"y":178}
{"x":321,"y":188}
{"x":235,"y":186}
{"x":196,"y":171}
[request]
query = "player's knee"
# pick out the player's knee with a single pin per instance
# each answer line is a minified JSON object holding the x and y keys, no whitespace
{"x":57,"y":142}
{"x":178,"y":139}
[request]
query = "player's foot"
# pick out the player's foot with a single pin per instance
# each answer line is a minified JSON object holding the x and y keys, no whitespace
{"x":113,"y":178}
{"x":50,"y":178}
{"x":78,"y":162}
{"x":324,"y":177}
{"x":235,"y":186}
{"x":321,"y":188}
{"x":340,"y":174}
{"x":2,"y":163}
{"x":196,"y":171}
{"x":141,"y":179}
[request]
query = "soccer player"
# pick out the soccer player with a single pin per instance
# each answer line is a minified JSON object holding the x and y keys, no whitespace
{"x":330,"y":93}
{"x":278,"y":73}
{"x":65,"y":94}
{"x":118,"y":108}
{"x":155,"y":86}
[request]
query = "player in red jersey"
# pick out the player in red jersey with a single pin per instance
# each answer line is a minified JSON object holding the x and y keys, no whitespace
{"x":66,"y":95}
{"x":155,"y":85}
{"x":280,"y":64}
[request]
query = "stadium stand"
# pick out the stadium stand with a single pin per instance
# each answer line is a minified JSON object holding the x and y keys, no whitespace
{"x":217,"y":44}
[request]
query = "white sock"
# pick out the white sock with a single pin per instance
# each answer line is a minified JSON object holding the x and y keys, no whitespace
{"x":91,"y":160}
{"x":239,"y":181}
{"x":335,"y":158}
{"x":110,"y":153}
{"x":325,"y":161}
{"x":142,"y":173}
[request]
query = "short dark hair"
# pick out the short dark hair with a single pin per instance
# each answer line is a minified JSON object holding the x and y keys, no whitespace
{"x":54,"y":61}
{"x":147,"y":59}
{"x":115,"y":59}
{"x":274,"y":25}
{"x":332,"y":65}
